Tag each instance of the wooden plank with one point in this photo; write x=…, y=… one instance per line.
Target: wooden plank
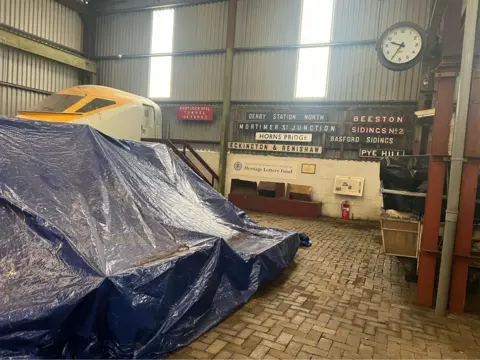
x=46, y=51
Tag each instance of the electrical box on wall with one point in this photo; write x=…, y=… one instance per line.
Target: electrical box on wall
x=348, y=185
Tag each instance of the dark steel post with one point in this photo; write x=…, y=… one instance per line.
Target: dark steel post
x=227, y=93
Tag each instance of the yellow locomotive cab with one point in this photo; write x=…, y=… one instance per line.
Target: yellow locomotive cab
x=112, y=111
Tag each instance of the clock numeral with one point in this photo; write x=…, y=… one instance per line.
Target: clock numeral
x=408, y=57
x=417, y=44
x=399, y=59
x=390, y=38
x=395, y=33
x=386, y=45
x=403, y=31
x=388, y=52
x=413, y=52
x=415, y=37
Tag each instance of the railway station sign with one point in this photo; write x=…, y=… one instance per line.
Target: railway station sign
x=376, y=153
x=202, y=113
x=287, y=127
x=365, y=130
x=280, y=116
x=373, y=140
x=263, y=136
x=294, y=149
x=378, y=119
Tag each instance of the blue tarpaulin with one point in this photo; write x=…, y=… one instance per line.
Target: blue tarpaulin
x=116, y=249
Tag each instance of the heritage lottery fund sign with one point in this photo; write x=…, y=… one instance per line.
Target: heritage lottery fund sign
x=269, y=169
x=294, y=149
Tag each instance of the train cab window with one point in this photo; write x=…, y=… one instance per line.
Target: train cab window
x=56, y=103
x=95, y=104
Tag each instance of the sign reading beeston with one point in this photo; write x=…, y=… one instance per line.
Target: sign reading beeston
x=313, y=128
x=296, y=149
x=268, y=116
x=270, y=169
x=380, y=153
x=378, y=119
x=263, y=136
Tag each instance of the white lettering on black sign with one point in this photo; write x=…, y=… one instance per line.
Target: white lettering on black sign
x=380, y=153
x=364, y=130
x=362, y=139
x=298, y=127
x=378, y=119
x=300, y=149
x=268, y=116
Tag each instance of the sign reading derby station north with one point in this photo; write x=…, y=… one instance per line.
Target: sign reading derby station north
x=278, y=116
x=296, y=127
x=294, y=149
x=376, y=153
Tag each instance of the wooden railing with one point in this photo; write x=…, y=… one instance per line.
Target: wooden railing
x=184, y=146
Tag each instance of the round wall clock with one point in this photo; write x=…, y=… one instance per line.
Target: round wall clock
x=401, y=46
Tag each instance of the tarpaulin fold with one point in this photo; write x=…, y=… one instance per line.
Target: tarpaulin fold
x=113, y=248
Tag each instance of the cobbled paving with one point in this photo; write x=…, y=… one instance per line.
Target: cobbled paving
x=342, y=298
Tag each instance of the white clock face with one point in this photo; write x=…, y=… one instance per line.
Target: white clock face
x=402, y=45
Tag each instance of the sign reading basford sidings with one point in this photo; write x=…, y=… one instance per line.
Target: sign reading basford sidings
x=379, y=119
x=202, y=113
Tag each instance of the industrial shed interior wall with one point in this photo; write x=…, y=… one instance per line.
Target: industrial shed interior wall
x=46, y=19
x=266, y=76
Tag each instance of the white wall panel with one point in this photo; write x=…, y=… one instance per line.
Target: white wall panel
x=198, y=78
x=264, y=76
x=46, y=19
x=127, y=75
x=124, y=34
x=268, y=22
x=201, y=27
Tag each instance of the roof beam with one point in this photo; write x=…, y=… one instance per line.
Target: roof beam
x=435, y=21
x=22, y=43
x=74, y=5
x=112, y=7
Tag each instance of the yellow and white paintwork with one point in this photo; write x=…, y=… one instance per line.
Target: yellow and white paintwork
x=131, y=117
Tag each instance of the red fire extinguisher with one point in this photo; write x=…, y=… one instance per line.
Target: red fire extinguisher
x=345, y=210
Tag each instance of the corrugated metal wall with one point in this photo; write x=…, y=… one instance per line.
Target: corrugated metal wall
x=124, y=34
x=51, y=21
x=268, y=75
x=355, y=74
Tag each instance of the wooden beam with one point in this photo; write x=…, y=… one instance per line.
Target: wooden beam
x=22, y=43
x=74, y=5
x=112, y=7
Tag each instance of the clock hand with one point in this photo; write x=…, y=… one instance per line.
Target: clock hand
x=399, y=47
x=395, y=43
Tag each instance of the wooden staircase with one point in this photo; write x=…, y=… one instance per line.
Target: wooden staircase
x=181, y=148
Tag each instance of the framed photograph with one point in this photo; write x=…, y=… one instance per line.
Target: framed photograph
x=309, y=168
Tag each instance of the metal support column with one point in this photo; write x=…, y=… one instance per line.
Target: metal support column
x=227, y=93
x=445, y=78
x=458, y=149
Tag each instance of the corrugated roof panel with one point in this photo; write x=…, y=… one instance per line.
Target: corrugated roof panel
x=201, y=27
x=128, y=75
x=197, y=78
x=355, y=20
x=122, y=34
x=46, y=19
x=268, y=22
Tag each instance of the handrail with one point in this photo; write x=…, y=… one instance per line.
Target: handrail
x=171, y=144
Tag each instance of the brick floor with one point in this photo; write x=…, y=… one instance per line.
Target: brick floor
x=342, y=298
